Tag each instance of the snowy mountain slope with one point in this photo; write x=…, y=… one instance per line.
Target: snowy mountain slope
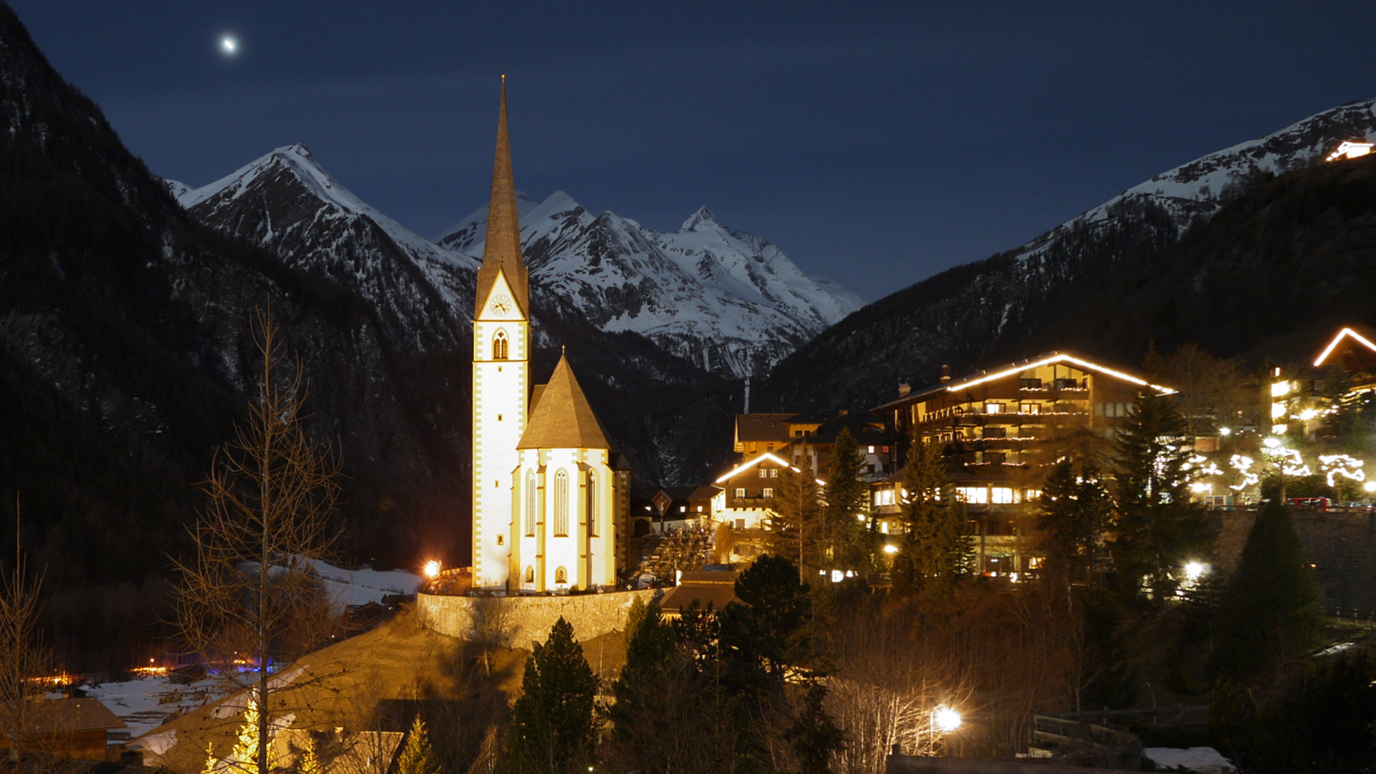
x=1196, y=190
x=285, y=201
x=729, y=301
x=1034, y=297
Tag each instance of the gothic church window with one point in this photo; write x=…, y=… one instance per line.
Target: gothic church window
x=532, y=504
x=561, y=504
x=499, y=346
x=561, y=575
x=592, y=504
x=530, y=574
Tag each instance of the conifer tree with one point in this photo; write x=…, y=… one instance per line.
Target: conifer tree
x=849, y=540
x=1271, y=608
x=1157, y=528
x=418, y=757
x=552, y=722
x=1072, y=514
x=937, y=544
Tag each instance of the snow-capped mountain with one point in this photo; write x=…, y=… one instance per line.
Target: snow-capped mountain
x=285, y=201
x=727, y=300
x=1194, y=191
x=1036, y=297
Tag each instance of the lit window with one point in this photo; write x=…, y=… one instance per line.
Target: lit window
x=768, y=493
x=871, y=450
x=993, y=407
x=561, y=504
x=773, y=472
x=740, y=493
x=1002, y=495
x=764, y=473
x=683, y=509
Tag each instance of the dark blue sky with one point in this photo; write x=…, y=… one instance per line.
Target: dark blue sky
x=874, y=143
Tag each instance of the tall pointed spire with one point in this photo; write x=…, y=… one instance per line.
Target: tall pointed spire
x=502, y=251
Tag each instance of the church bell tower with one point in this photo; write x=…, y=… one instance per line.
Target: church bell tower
x=501, y=371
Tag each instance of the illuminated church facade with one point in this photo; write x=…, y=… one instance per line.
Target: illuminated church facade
x=550, y=495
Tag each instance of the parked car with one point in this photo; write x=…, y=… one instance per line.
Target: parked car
x=1311, y=503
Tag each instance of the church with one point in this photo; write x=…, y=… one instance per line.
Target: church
x=550, y=494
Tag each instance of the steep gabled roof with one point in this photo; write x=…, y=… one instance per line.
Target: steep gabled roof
x=1344, y=334
x=502, y=250
x=563, y=419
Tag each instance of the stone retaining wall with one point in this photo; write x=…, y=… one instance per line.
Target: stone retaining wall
x=529, y=619
x=1341, y=545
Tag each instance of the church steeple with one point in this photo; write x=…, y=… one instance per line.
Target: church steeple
x=502, y=251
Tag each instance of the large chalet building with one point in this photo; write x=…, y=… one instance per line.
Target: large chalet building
x=997, y=428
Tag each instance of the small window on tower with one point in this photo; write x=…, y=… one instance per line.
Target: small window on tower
x=501, y=540
x=499, y=346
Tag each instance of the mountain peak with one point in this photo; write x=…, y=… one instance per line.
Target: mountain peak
x=699, y=221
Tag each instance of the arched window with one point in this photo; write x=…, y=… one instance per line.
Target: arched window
x=592, y=503
x=561, y=504
x=561, y=575
x=499, y=346
x=530, y=574
x=532, y=503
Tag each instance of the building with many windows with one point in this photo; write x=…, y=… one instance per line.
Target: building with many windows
x=998, y=429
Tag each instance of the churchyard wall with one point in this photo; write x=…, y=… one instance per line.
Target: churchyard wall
x=529, y=618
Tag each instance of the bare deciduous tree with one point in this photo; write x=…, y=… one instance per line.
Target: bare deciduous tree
x=22, y=656
x=250, y=593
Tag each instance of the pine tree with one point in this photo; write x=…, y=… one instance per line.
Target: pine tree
x=418, y=757
x=1072, y=514
x=1157, y=528
x=937, y=544
x=245, y=758
x=849, y=540
x=1271, y=608
x=552, y=721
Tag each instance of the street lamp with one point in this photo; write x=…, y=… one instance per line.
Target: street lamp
x=432, y=569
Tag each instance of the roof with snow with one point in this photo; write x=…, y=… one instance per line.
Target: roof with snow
x=562, y=417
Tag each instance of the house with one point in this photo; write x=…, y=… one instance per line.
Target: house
x=710, y=589
x=1349, y=149
x=808, y=438
x=998, y=428
x=1343, y=373
x=747, y=491
x=68, y=728
x=670, y=508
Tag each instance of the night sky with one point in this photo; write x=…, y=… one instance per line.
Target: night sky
x=874, y=143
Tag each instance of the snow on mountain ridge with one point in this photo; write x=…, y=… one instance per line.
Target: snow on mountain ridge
x=708, y=293
x=1198, y=188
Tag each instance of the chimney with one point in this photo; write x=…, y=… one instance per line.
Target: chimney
x=945, y=373
x=903, y=389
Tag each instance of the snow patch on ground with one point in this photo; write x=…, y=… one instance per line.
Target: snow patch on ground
x=1205, y=760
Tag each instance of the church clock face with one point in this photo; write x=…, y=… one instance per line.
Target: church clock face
x=501, y=305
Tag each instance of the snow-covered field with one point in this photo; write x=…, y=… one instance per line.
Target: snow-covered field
x=147, y=702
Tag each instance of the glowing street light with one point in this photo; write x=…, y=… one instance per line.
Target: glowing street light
x=945, y=719
x=890, y=549
x=1195, y=570
x=432, y=569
